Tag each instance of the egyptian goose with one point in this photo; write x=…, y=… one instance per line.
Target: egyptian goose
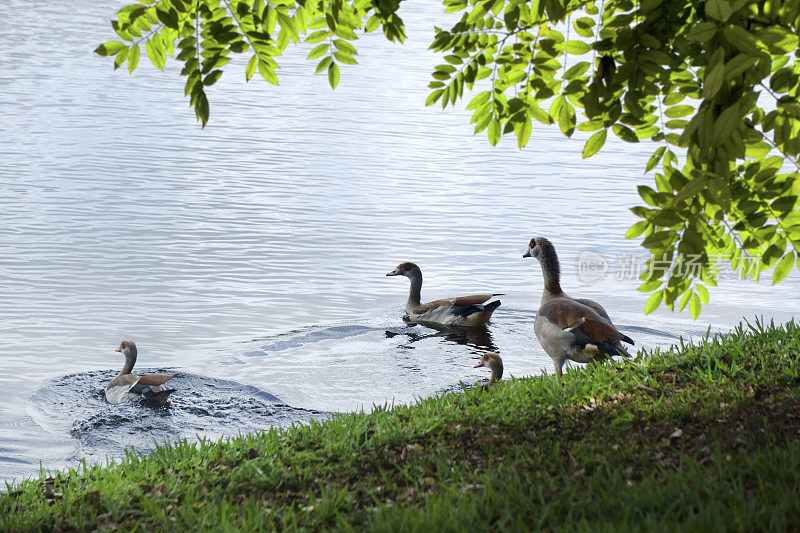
x=569, y=328
x=463, y=311
x=495, y=364
x=126, y=385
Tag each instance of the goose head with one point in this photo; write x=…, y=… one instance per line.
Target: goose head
x=495, y=364
x=538, y=248
x=128, y=349
x=409, y=270
x=544, y=251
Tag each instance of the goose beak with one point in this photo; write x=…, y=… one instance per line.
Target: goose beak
x=394, y=272
x=478, y=365
x=527, y=254
x=118, y=350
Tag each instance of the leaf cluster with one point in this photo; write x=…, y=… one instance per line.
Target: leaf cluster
x=207, y=32
x=686, y=75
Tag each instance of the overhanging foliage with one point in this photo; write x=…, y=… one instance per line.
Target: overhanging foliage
x=714, y=84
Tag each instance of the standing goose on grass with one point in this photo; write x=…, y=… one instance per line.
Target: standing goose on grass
x=463, y=311
x=569, y=328
x=126, y=385
x=495, y=364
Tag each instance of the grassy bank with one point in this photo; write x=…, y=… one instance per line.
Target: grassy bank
x=702, y=438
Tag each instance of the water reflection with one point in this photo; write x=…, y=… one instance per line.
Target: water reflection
x=479, y=337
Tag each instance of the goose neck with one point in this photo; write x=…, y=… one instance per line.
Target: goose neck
x=130, y=360
x=414, y=293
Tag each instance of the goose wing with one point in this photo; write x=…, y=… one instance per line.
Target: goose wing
x=154, y=379
x=462, y=301
x=475, y=299
x=118, y=389
x=572, y=314
x=595, y=306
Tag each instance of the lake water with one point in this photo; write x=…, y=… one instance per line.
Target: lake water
x=250, y=257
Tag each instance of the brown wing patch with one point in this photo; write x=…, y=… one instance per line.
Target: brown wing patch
x=125, y=380
x=475, y=299
x=600, y=331
x=595, y=306
x=154, y=379
x=565, y=313
x=568, y=313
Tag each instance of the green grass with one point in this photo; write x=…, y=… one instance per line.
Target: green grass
x=699, y=438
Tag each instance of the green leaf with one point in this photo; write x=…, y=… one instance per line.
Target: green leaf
x=625, y=133
x=678, y=111
x=653, y=302
x=655, y=158
x=566, y=119
x=649, y=286
x=576, y=70
x=702, y=32
x=685, y=299
x=703, y=293
x=251, y=68
x=647, y=194
x=718, y=9
x=594, y=143
x=317, y=51
x=345, y=46
x=757, y=150
x=524, y=132
x=201, y=108
x=737, y=65
x=494, y=131
x=323, y=64
x=713, y=81
x=133, y=58
x=479, y=100
x=575, y=47
x=333, y=75
x=110, y=48
x=317, y=36
x=120, y=59
x=212, y=77
x=694, y=306
x=433, y=97
x=637, y=229
x=345, y=58
x=267, y=72
x=692, y=188
x=555, y=107
x=155, y=53
x=783, y=268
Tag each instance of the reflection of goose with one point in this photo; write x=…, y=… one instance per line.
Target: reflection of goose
x=569, y=328
x=478, y=337
x=126, y=385
x=463, y=311
x=495, y=364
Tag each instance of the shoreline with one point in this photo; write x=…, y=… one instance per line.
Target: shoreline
x=699, y=436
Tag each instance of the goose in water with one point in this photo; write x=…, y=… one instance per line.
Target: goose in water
x=126, y=385
x=495, y=364
x=570, y=328
x=463, y=311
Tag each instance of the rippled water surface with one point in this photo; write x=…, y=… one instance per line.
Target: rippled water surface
x=249, y=258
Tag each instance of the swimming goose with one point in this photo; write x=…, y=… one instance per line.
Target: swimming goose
x=126, y=385
x=569, y=328
x=495, y=364
x=463, y=311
